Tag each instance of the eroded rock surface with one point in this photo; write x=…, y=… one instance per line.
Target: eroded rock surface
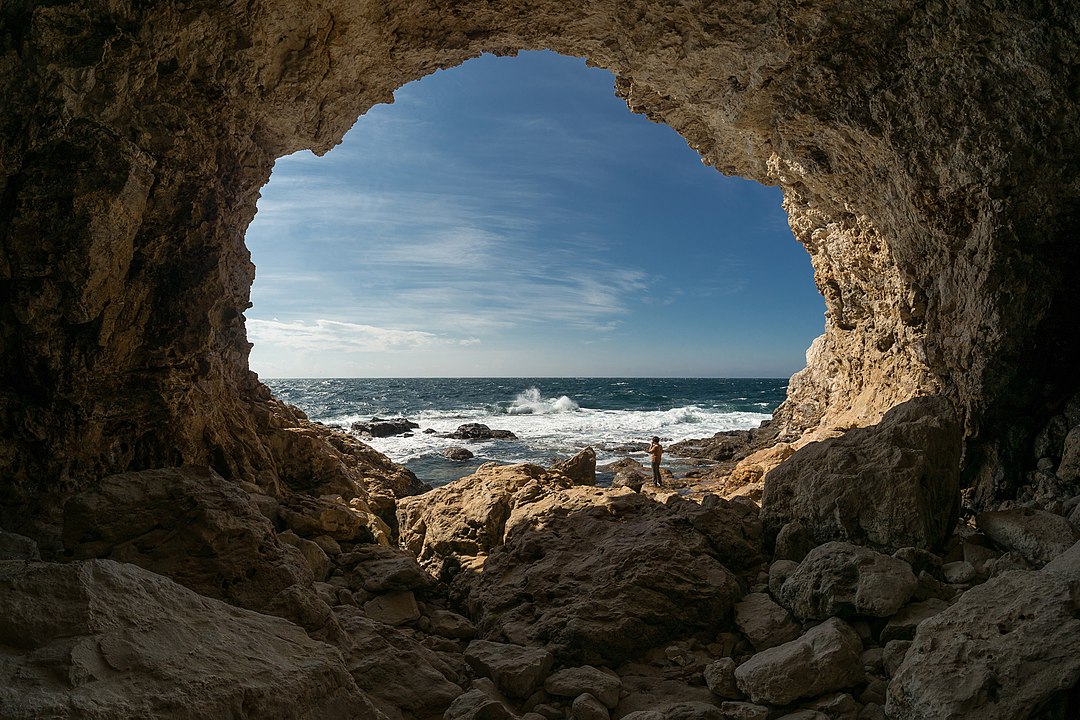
x=101, y=639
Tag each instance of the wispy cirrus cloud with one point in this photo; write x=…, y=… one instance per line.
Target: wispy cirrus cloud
x=321, y=334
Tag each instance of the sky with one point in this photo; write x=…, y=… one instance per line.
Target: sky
x=510, y=217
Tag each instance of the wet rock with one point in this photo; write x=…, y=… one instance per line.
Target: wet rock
x=892, y=485
x=457, y=453
x=479, y=431
x=378, y=427
x=1004, y=648
x=516, y=670
x=131, y=644
x=840, y=579
x=1039, y=535
x=827, y=657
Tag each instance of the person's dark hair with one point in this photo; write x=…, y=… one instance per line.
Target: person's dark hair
x=655, y=439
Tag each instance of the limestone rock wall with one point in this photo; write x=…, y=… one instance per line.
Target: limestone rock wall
x=928, y=154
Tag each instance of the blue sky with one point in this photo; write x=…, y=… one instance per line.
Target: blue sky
x=510, y=217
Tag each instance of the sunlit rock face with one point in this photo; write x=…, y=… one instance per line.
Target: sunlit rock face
x=927, y=151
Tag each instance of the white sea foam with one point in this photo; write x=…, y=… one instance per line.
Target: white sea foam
x=544, y=435
x=531, y=402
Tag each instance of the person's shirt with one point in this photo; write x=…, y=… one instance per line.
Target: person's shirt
x=656, y=451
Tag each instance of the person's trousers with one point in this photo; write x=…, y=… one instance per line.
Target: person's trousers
x=656, y=473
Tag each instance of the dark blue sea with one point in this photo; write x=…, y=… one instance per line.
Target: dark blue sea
x=552, y=417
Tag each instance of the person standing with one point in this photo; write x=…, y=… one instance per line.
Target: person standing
x=656, y=452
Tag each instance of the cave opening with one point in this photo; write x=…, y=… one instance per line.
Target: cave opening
x=509, y=218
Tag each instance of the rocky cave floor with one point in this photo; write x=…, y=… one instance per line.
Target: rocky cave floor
x=530, y=593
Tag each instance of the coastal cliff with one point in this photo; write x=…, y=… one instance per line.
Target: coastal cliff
x=930, y=164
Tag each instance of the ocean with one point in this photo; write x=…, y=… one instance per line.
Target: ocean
x=553, y=418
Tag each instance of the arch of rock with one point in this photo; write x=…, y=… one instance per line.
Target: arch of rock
x=927, y=152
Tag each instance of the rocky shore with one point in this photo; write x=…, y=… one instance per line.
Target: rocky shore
x=529, y=593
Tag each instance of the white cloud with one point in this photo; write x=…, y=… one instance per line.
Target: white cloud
x=334, y=335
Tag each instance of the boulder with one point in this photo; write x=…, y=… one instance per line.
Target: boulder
x=396, y=671
x=189, y=525
x=1069, y=467
x=587, y=707
x=516, y=670
x=457, y=453
x=1038, y=535
x=599, y=575
x=379, y=427
x=394, y=608
x=581, y=468
x=840, y=579
x=826, y=658
x=720, y=678
x=1066, y=565
x=892, y=485
x=477, y=705
x=902, y=625
x=468, y=516
x=604, y=685
x=793, y=542
x=763, y=622
x=1003, y=649
x=447, y=624
x=17, y=547
x=479, y=431
x=379, y=569
x=102, y=640
x=743, y=711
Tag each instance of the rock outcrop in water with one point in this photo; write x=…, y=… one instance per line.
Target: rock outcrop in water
x=929, y=157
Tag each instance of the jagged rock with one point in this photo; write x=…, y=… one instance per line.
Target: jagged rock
x=840, y=579
x=892, y=485
x=479, y=431
x=1066, y=565
x=763, y=622
x=517, y=670
x=378, y=427
x=396, y=672
x=793, y=542
x=723, y=446
x=379, y=569
x=720, y=677
x=1039, y=535
x=958, y=572
x=449, y=624
x=477, y=705
x=571, y=682
x=1002, y=650
x=579, y=572
x=330, y=516
x=581, y=468
x=827, y=657
x=587, y=707
x=457, y=453
x=902, y=625
x=743, y=711
x=189, y=525
x=1069, y=467
x=393, y=608
x=468, y=516
x=779, y=572
x=17, y=547
x=127, y=643
x=893, y=654
x=313, y=554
